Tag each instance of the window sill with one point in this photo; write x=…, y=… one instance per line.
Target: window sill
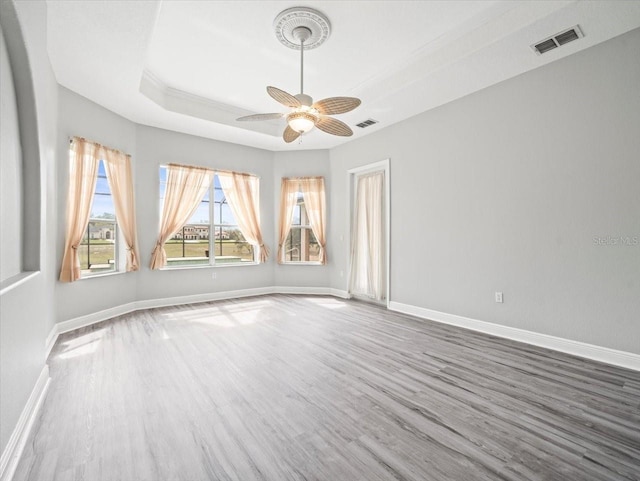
x=216, y=266
x=301, y=263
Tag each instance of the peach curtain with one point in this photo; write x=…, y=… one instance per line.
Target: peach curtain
x=243, y=193
x=83, y=174
x=288, y=193
x=118, y=167
x=312, y=189
x=186, y=186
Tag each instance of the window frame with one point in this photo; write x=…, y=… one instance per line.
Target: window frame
x=212, y=228
x=118, y=265
x=307, y=225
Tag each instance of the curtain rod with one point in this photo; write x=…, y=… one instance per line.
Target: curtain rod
x=97, y=144
x=222, y=171
x=304, y=178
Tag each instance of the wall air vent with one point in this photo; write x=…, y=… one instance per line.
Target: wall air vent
x=367, y=123
x=559, y=39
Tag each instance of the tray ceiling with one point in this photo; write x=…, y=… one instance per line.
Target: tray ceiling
x=195, y=66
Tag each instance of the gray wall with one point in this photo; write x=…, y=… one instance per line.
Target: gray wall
x=510, y=189
x=27, y=310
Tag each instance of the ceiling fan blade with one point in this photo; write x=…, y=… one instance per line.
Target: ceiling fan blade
x=283, y=97
x=261, y=117
x=334, y=127
x=289, y=135
x=336, y=105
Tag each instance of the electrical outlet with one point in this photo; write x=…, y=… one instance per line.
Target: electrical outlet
x=499, y=297
x=213, y=275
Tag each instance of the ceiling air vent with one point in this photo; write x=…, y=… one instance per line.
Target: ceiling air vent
x=559, y=39
x=366, y=123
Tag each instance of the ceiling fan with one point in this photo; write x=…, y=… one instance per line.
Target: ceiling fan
x=294, y=27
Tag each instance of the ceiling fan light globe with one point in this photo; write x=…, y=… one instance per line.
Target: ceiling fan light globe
x=301, y=122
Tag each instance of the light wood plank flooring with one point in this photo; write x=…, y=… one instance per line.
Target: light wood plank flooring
x=317, y=388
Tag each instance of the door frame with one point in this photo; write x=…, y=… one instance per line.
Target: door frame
x=352, y=174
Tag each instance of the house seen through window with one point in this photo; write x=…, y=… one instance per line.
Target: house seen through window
x=211, y=236
x=99, y=247
x=301, y=244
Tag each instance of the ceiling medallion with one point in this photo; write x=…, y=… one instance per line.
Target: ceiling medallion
x=290, y=19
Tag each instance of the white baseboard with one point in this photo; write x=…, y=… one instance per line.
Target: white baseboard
x=581, y=349
x=50, y=341
x=339, y=293
x=94, y=317
x=17, y=441
x=301, y=290
x=316, y=291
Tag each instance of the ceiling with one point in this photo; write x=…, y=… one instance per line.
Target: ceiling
x=195, y=66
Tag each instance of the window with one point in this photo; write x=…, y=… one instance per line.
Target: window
x=100, y=189
x=301, y=244
x=98, y=250
x=211, y=236
x=302, y=237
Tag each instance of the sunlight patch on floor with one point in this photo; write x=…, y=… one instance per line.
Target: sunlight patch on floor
x=218, y=321
x=327, y=303
x=83, y=350
x=83, y=339
x=225, y=315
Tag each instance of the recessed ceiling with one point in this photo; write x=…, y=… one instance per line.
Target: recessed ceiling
x=195, y=66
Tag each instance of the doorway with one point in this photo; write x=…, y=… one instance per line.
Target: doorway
x=369, y=233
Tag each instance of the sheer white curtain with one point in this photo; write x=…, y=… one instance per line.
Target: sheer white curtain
x=367, y=276
x=186, y=186
x=243, y=193
x=288, y=191
x=83, y=175
x=120, y=178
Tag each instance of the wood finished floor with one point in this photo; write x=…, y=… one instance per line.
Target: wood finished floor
x=317, y=388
